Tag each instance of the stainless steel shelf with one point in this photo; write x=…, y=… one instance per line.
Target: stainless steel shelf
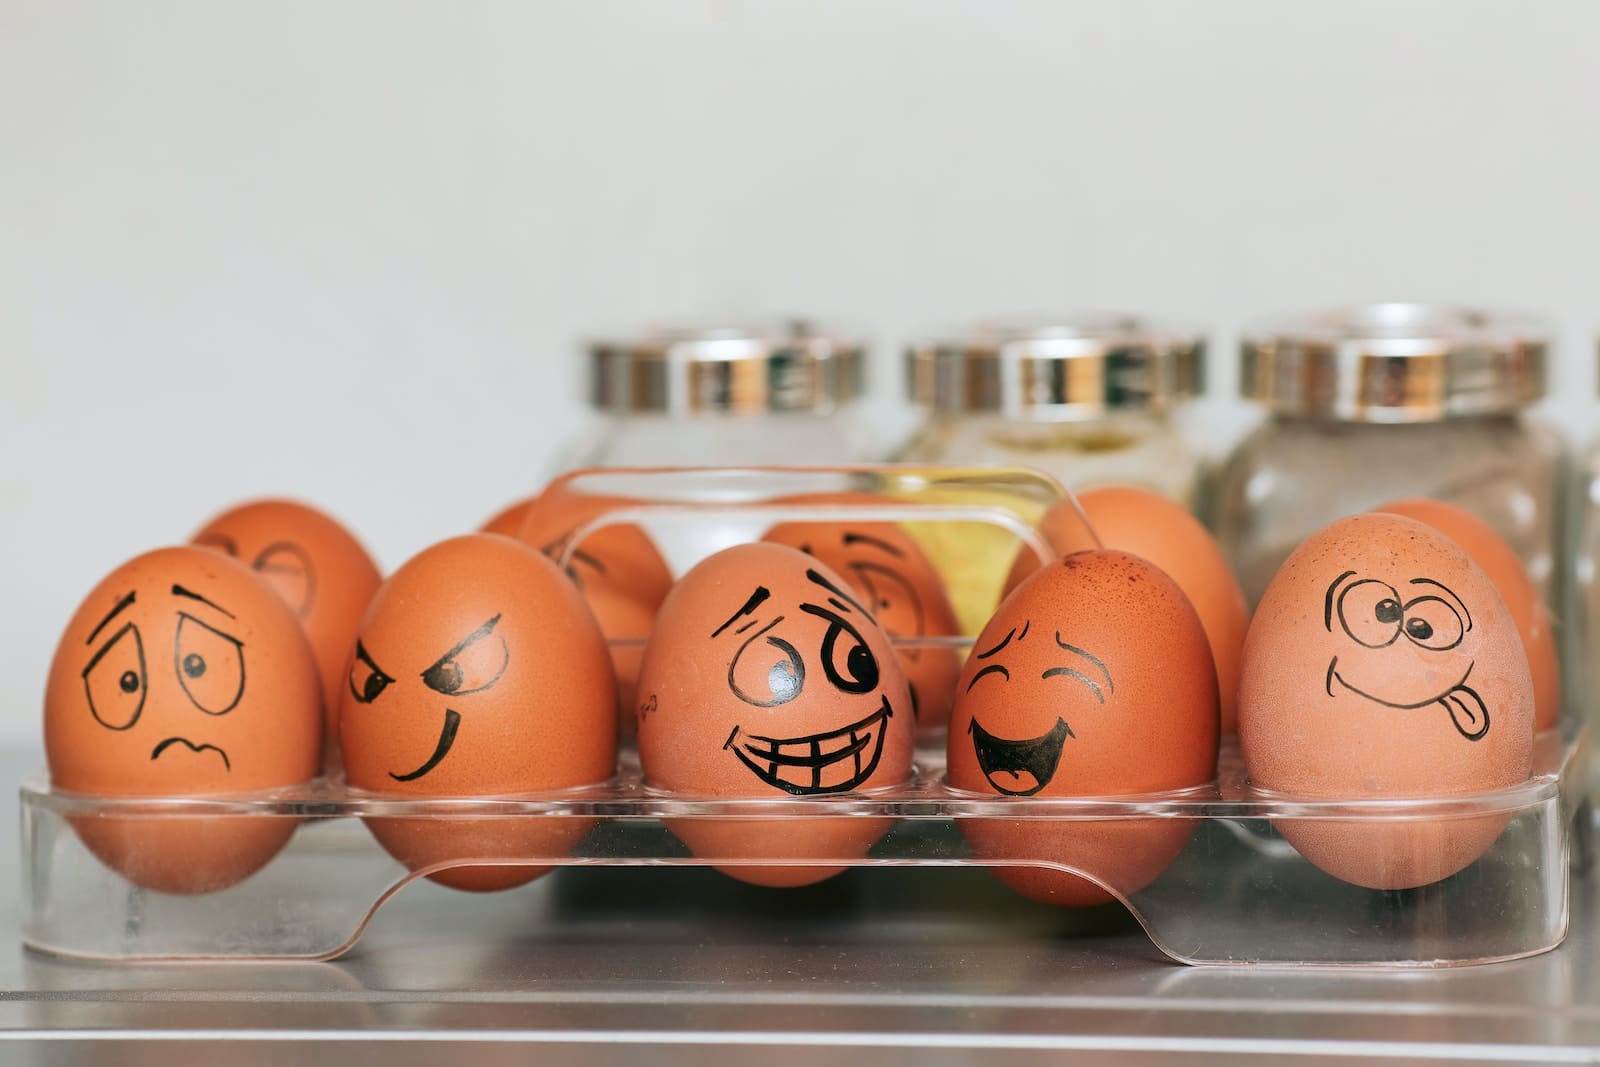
x=880, y=967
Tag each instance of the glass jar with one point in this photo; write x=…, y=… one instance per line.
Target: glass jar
x=1392, y=400
x=1086, y=399
x=754, y=395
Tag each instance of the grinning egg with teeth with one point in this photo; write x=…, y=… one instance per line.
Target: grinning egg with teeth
x=182, y=674
x=1094, y=678
x=478, y=670
x=766, y=677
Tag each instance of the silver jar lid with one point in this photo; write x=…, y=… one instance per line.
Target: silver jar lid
x=1060, y=370
x=1395, y=363
x=727, y=370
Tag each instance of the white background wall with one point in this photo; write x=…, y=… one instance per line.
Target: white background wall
x=340, y=250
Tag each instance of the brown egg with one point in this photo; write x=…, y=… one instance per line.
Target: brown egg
x=478, y=671
x=1094, y=678
x=1490, y=551
x=316, y=566
x=766, y=677
x=1155, y=528
x=1382, y=663
x=897, y=583
x=508, y=520
x=618, y=568
x=182, y=675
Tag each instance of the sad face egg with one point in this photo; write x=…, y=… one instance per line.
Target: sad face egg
x=765, y=677
x=181, y=675
x=1383, y=663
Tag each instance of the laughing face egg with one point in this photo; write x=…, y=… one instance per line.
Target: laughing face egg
x=478, y=670
x=767, y=678
x=1094, y=678
x=182, y=675
x=1383, y=663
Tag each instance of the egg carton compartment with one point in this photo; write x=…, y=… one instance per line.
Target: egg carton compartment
x=1215, y=873
x=1231, y=894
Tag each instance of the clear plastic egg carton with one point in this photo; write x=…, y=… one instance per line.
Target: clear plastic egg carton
x=1235, y=893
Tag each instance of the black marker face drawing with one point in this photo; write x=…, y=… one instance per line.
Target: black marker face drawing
x=207, y=667
x=283, y=565
x=787, y=662
x=473, y=665
x=1050, y=673
x=1401, y=649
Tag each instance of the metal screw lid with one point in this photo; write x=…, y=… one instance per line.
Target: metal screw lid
x=727, y=370
x=1060, y=370
x=1395, y=363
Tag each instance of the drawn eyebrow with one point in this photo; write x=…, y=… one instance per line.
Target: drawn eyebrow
x=993, y=668
x=1004, y=641
x=482, y=631
x=755, y=601
x=852, y=538
x=1091, y=657
x=818, y=579
x=1447, y=589
x=178, y=590
x=124, y=602
x=1026, y=626
x=1093, y=685
x=1327, y=601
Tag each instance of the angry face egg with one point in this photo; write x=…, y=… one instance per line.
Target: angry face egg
x=1094, y=678
x=766, y=677
x=478, y=670
x=182, y=675
x=1382, y=663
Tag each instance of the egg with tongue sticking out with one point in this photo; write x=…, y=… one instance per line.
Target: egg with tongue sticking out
x=765, y=677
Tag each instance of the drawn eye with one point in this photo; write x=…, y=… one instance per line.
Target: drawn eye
x=474, y=665
x=846, y=659
x=114, y=680
x=367, y=680
x=993, y=668
x=287, y=568
x=1370, y=612
x=210, y=665
x=767, y=671
x=1433, y=623
x=889, y=593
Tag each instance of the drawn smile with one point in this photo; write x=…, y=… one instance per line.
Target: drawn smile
x=1036, y=757
x=447, y=737
x=833, y=762
x=155, y=753
x=1466, y=708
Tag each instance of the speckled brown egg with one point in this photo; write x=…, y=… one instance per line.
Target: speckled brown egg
x=478, y=671
x=1381, y=662
x=1490, y=551
x=618, y=568
x=1094, y=678
x=1156, y=529
x=767, y=677
x=895, y=580
x=181, y=674
x=316, y=566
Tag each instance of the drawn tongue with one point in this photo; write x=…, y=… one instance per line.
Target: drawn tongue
x=1467, y=712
